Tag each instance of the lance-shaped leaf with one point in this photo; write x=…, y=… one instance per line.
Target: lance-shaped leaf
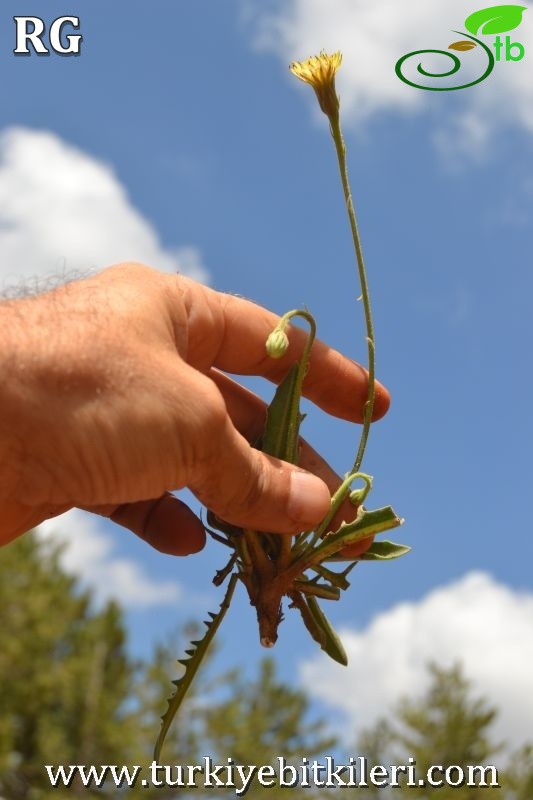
x=191, y=665
x=331, y=645
x=384, y=551
x=319, y=627
x=368, y=523
x=496, y=19
x=280, y=438
x=324, y=590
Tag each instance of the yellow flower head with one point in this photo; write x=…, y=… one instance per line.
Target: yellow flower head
x=319, y=72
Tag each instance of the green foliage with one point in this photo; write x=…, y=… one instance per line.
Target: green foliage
x=191, y=664
x=518, y=778
x=446, y=726
x=262, y=719
x=64, y=673
x=70, y=694
x=384, y=551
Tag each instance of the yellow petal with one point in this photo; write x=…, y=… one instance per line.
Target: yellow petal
x=319, y=72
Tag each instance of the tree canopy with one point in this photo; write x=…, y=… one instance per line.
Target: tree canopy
x=71, y=693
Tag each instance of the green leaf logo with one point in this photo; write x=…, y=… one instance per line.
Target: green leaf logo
x=496, y=19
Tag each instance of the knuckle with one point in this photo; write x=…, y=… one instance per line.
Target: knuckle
x=254, y=485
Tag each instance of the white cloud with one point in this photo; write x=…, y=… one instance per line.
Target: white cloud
x=485, y=625
x=373, y=36
x=63, y=212
x=89, y=554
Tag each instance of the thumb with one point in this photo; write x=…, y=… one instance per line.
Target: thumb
x=250, y=489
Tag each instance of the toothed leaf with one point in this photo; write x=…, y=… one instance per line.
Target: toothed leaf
x=191, y=667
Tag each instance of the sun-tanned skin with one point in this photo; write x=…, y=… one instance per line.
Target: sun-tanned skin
x=115, y=392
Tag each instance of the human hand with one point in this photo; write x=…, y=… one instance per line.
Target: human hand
x=117, y=395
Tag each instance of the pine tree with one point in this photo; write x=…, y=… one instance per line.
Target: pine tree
x=248, y=721
x=70, y=694
x=518, y=778
x=65, y=676
x=261, y=720
x=448, y=727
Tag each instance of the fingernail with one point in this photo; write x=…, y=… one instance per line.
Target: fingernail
x=308, y=499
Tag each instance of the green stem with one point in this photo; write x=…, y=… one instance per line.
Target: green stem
x=340, y=148
x=306, y=544
x=282, y=324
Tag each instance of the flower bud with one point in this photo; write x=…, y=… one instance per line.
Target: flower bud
x=277, y=343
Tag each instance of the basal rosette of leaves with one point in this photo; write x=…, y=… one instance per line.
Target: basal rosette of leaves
x=302, y=570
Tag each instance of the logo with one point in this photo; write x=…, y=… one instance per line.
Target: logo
x=30, y=31
x=486, y=22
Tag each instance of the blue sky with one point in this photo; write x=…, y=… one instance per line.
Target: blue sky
x=205, y=154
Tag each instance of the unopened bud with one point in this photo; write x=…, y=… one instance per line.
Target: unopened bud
x=357, y=496
x=277, y=343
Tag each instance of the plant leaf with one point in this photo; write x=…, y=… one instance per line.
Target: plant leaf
x=369, y=523
x=192, y=664
x=335, y=578
x=320, y=628
x=464, y=44
x=280, y=438
x=496, y=19
x=316, y=589
x=384, y=551
x=332, y=645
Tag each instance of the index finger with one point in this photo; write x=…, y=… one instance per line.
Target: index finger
x=230, y=333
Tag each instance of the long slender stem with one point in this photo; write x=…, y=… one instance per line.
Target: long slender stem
x=340, y=148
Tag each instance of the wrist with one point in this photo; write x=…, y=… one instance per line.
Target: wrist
x=36, y=367
x=14, y=369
